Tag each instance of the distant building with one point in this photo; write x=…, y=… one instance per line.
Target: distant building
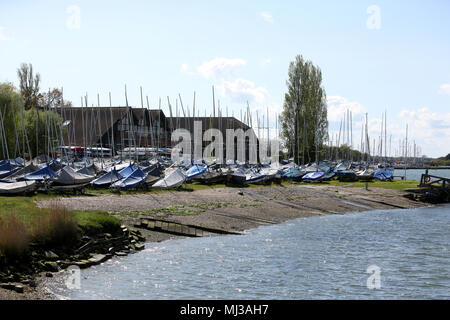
x=122, y=127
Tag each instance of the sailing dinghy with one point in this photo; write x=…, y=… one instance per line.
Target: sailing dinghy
x=134, y=180
x=68, y=176
x=19, y=187
x=173, y=179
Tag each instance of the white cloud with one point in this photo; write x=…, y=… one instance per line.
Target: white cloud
x=186, y=69
x=2, y=35
x=445, y=88
x=220, y=68
x=337, y=106
x=429, y=130
x=267, y=16
x=242, y=90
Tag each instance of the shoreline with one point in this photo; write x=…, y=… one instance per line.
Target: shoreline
x=228, y=209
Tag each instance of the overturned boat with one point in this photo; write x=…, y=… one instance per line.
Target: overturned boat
x=173, y=179
x=19, y=187
x=134, y=180
x=107, y=179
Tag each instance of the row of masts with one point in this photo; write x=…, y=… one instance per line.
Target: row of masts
x=370, y=149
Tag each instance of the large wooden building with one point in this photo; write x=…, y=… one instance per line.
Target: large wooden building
x=118, y=128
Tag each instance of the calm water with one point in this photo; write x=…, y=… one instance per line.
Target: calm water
x=323, y=257
x=415, y=174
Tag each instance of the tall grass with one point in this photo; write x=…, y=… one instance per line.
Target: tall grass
x=14, y=236
x=56, y=228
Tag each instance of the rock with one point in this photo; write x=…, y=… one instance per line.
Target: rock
x=139, y=246
x=121, y=254
x=97, y=259
x=51, y=266
x=50, y=255
x=32, y=284
x=82, y=264
x=240, y=193
x=18, y=288
x=108, y=236
x=7, y=286
x=49, y=275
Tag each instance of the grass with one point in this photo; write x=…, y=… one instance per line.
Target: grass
x=394, y=185
x=23, y=223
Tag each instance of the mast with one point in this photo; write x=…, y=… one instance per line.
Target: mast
x=112, y=126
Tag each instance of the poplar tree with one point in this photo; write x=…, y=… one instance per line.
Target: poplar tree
x=304, y=121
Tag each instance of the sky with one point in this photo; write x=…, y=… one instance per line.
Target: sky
x=375, y=57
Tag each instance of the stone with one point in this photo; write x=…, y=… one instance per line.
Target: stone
x=18, y=288
x=139, y=246
x=50, y=255
x=97, y=259
x=7, y=286
x=51, y=266
x=121, y=254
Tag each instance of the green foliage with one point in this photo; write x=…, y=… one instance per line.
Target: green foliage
x=92, y=222
x=13, y=141
x=442, y=161
x=304, y=118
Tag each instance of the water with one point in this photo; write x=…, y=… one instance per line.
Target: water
x=323, y=257
x=416, y=174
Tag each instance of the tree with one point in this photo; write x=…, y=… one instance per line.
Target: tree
x=52, y=99
x=29, y=85
x=304, y=121
x=9, y=108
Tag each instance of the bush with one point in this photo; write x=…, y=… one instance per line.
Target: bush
x=14, y=237
x=59, y=227
x=92, y=222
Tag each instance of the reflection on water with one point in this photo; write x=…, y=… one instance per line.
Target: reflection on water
x=323, y=257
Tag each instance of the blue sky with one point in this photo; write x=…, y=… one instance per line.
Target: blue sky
x=374, y=56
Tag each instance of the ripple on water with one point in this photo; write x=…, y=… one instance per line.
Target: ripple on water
x=323, y=257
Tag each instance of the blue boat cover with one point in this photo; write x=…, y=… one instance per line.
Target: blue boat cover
x=311, y=176
x=125, y=172
x=291, y=173
x=383, y=175
x=195, y=170
x=42, y=174
x=107, y=179
x=132, y=181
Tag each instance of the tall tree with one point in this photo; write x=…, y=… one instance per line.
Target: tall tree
x=29, y=84
x=304, y=121
x=52, y=99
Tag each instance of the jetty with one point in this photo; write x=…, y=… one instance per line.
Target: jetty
x=433, y=189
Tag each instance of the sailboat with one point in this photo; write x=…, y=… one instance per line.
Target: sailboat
x=174, y=178
x=107, y=179
x=133, y=180
x=18, y=187
x=68, y=176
